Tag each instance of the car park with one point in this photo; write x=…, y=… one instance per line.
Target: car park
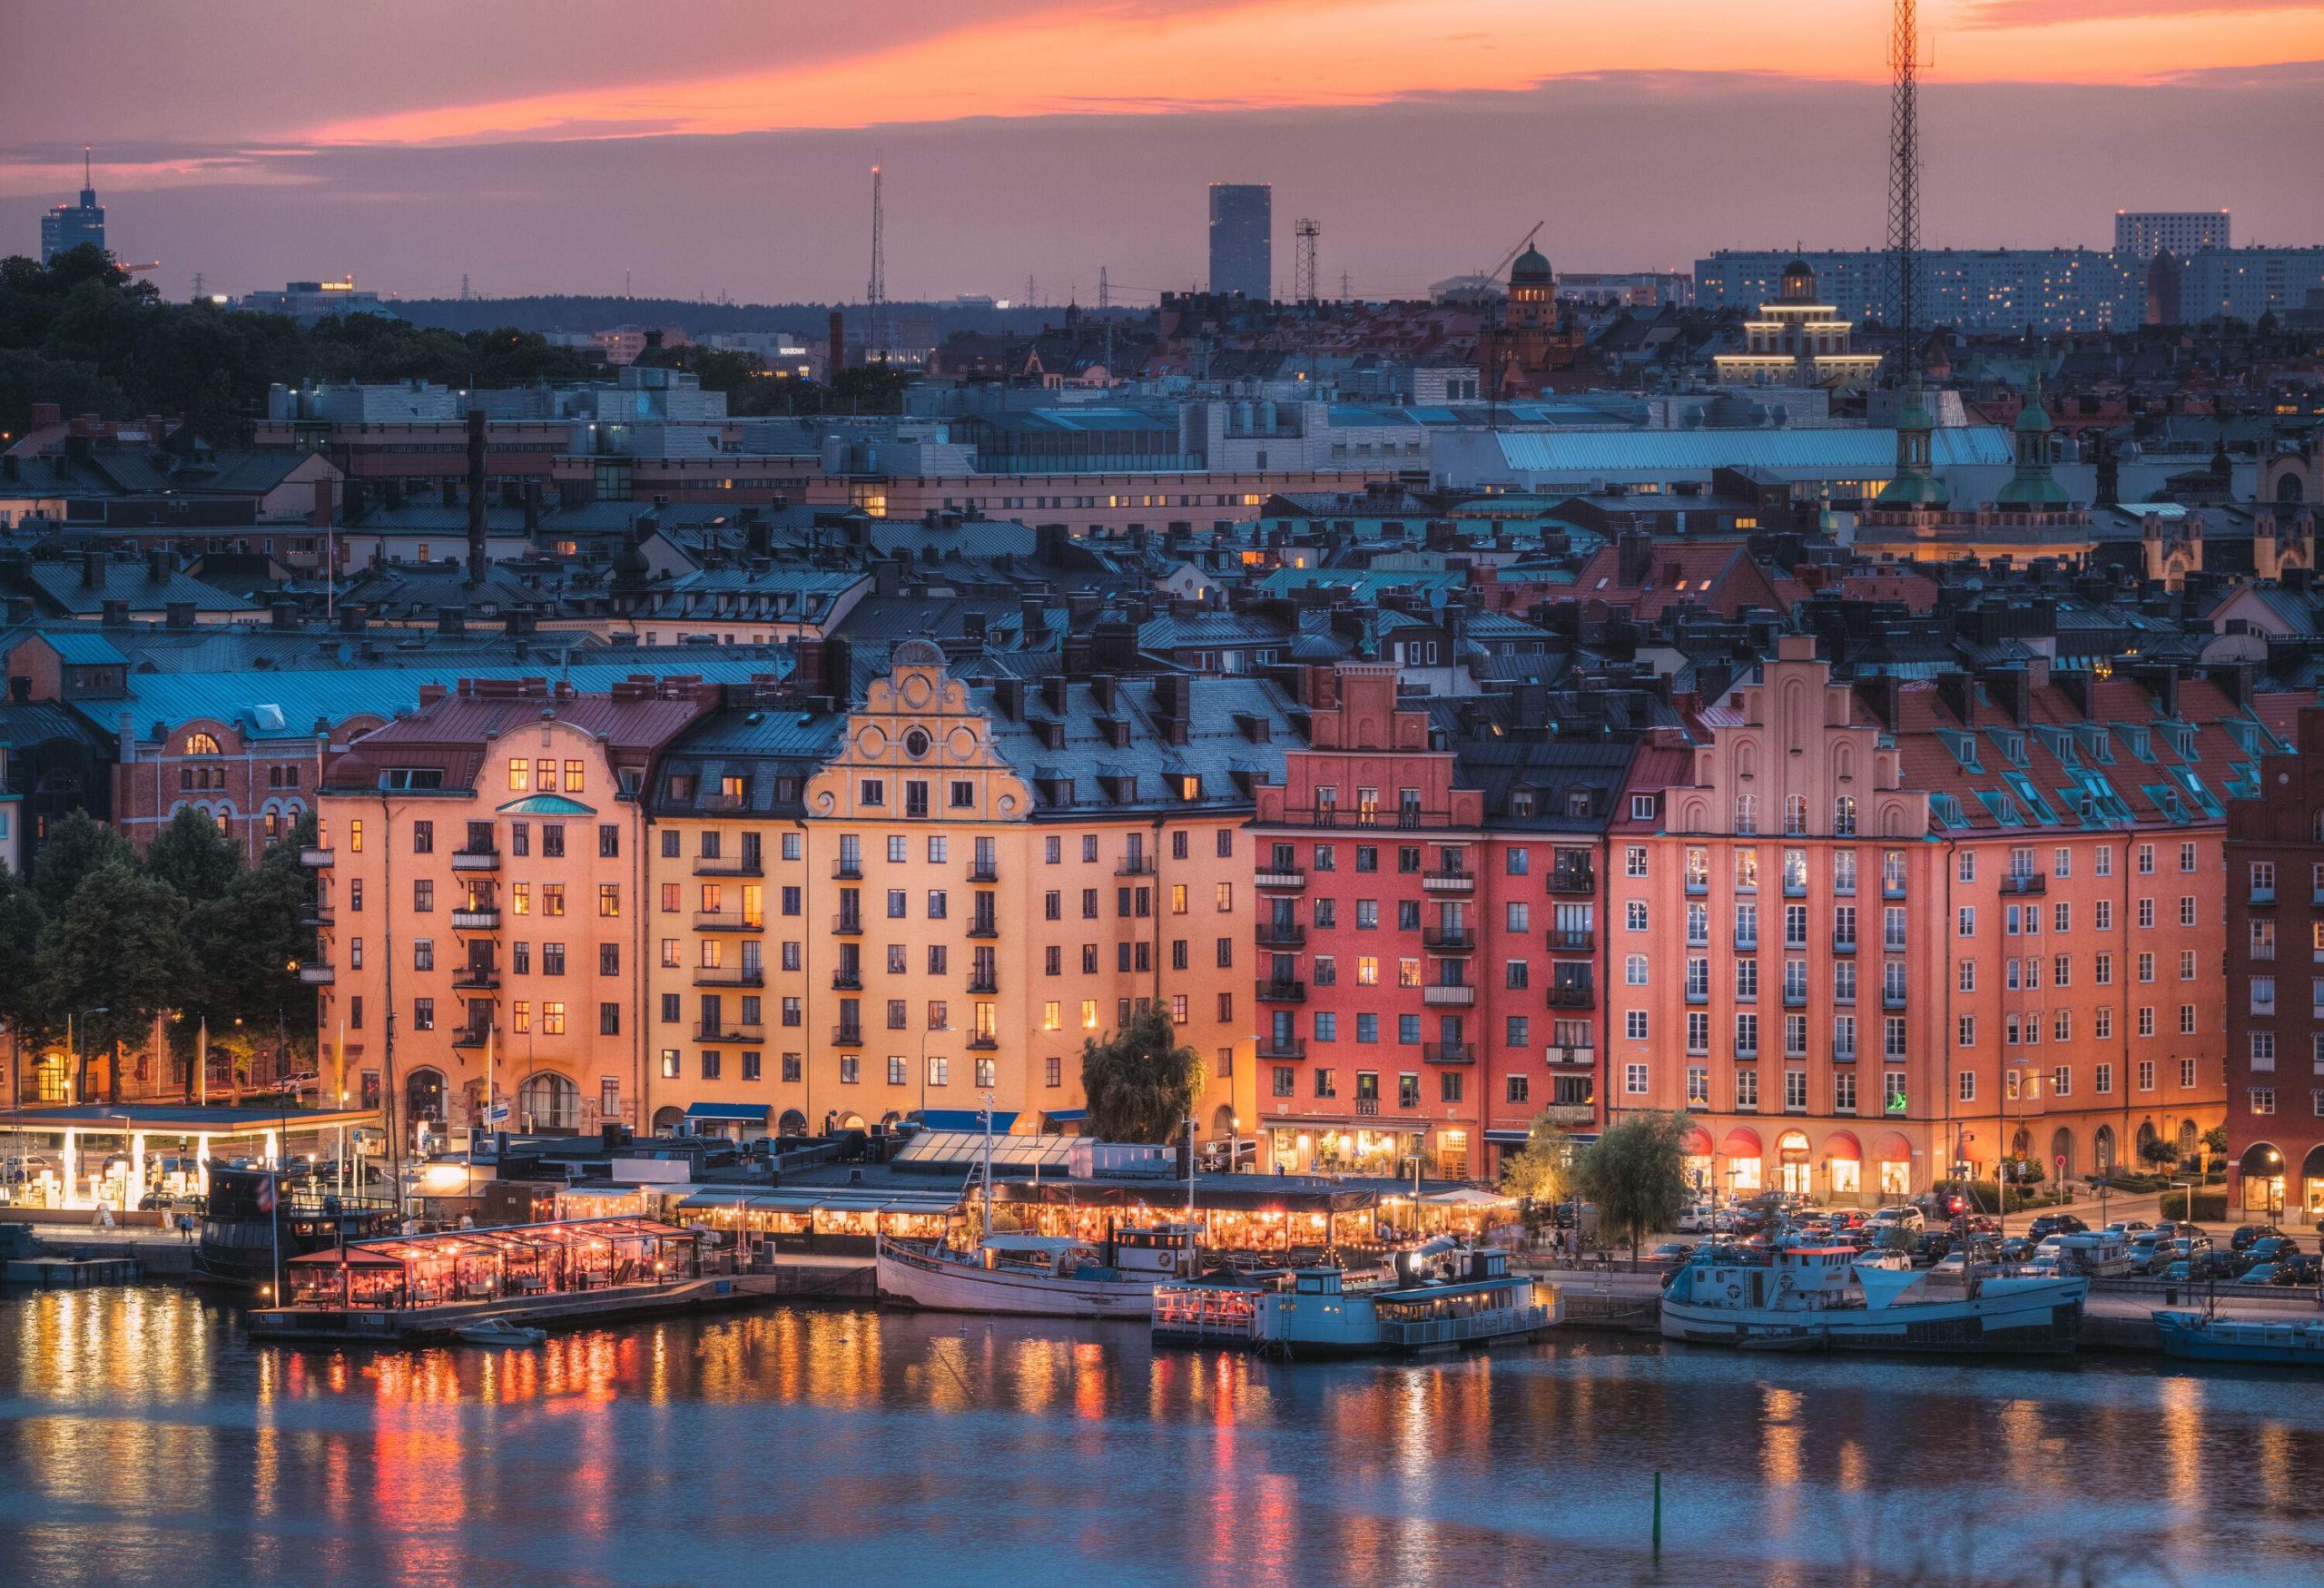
x=2250, y=1234
x=2050, y=1224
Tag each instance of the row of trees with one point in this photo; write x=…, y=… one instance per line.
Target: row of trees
x=191, y=931
x=81, y=332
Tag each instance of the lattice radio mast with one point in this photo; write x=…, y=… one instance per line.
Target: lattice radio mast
x=1303, y=288
x=1904, y=188
x=875, y=293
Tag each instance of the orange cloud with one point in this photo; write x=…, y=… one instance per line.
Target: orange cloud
x=1139, y=58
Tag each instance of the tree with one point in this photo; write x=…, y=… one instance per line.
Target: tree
x=1140, y=1083
x=1542, y=1170
x=119, y=944
x=1636, y=1174
x=21, y=1006
x=193, y=857
x=75, y=848
x=247, y=945
x=2162, y=1152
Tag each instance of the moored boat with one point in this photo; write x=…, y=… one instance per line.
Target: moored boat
x=254, y=1220
x=1036, y=1276
x=1316, y=1312
x=500, y=1331
x=1835, y=1299
x=2291, y=1343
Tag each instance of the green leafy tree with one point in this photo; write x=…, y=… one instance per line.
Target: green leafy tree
x=22, y=1008
x=1140, y=1083
x=1636, y=1174
x=193, y=857
x=118, y=944
x=75, y=848
x=1542, y=1170
x=247, y=946
x=2162, y=1152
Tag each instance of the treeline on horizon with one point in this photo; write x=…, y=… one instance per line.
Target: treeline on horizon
x=569, y=313
x=82, y=333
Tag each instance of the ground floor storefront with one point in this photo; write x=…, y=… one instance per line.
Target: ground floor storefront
x=1367, y=1146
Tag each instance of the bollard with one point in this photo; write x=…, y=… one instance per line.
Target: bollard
x=1658, y=1516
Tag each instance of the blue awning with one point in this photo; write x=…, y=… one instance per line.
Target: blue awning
x=746, y=1113
x=967, y=1120
x=1066, y=1116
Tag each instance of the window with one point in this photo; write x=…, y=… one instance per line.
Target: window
x=1634, y=1024
x=2187, y=1074
x=608, y=898
x=1794, y=1089
x=1843, y=1095
x=609, y=1020
x=552, y=1018
x=1969, y=1086
x=2263, y=1099
x=1634, y=1080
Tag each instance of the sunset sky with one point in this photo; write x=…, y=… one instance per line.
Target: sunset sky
x=712, y=145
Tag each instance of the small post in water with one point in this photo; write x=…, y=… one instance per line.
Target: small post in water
x=1658, y=1516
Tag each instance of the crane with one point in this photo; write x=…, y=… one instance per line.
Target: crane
x=1524, y=243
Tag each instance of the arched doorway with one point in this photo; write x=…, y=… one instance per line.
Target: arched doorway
x=2311, y=1183
x=423, y=1098
x=1222, y=1121
x=2022, y=1143
x=2189, y=1141
x=2262, y=1166
x=53, y=1079
x=549, y=1102
x=666, y=1121
x=2102, y=1150
x=793, y=1123
x=2061, y=1164
x=2146, y=1138
x=890, y=1119
x=851, y=1121
x=1792, y=1168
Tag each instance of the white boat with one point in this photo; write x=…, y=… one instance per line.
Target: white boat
x=500, y=1331
x=1314, y=1312
x=2095, y=1253
x=1037, y=1276
x=1835, y=1299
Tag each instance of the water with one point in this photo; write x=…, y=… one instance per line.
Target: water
x=144, y=1440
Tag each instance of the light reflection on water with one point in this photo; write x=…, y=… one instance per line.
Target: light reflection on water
x=143, y=1439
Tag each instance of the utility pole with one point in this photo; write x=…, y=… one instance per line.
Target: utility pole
x=1905, y=187
x=1305, y=234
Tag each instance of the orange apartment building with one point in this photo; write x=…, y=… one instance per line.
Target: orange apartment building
x=1926, y=925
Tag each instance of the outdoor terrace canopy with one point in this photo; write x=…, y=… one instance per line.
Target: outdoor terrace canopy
x=479, y=1265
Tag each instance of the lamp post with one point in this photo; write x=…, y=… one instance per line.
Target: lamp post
x=1234, y=1143
x=2275, y=1185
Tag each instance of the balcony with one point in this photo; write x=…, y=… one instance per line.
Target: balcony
x=1572, y=995
x=710, y=865
x=1449, y=939
x=730, y=1033
x=712, y=976
x=1562, y=1055
x=1698, y=995
x=1367, y=1107
x=1280, y=878
x=316, y=919
x=848, y=870
x=472, y=1037
x=317, y=858
x=718, y=804
x=1460, y=883
x=1271, y=991
x=847, y=1035
x=1795, y=998
x=1844, y=1055
x=1274, y=1047
x=984, y=1042
x=318, y=975
x=476, y=860
x=1575, y=940
x=847, y=980
x=2262, y=896
x=2025, y=883
x=1135, y=865
x=1892, y=998
x=985, y=871
x=984, y=981
x=475, y=979
x=1892, y=887
x=1449, y=1053
x=1795, y=887
x=847, y=924
x=1571, y=1113
x=1281, y=934
x=726, y=920
x=1747, y=943
x=1698, y=887
x=984, y=926
x=1438, y=995
x=1573, y=880
x=1843, y=945
x=476, y=920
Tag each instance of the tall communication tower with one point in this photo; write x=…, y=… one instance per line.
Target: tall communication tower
x=876, y=292
x=1303, y=289
x=1904, y=188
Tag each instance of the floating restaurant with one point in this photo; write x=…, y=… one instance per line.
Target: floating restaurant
x=1260, y=1213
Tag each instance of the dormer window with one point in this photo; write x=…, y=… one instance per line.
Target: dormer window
x=200, y=744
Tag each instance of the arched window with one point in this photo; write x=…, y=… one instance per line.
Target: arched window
x=1843, y=816
x=549, y=1102
x=200, y=744
x=2288, y=489
x=1746, y=813
x=2316, y=828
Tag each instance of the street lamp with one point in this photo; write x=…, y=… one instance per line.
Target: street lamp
x=2275, y=1185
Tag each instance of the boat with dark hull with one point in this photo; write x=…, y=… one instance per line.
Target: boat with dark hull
x=1834, y=1299
x=255, y=1219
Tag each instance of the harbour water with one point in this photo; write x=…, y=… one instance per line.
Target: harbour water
x=144, y=1440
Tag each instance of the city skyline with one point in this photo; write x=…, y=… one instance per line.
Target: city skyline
x=748, y=178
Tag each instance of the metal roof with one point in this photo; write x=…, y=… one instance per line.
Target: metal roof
x=1869, y=451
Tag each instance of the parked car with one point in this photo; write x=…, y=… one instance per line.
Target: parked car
x=2055, y=1224
x=2257, y=1274
x=15, y=1170
x=2016, y=1250
x=1702, y=1218
x=1904, y=1217
x=2301, y=1269
x=1673, y=1254
x=2248, y=1234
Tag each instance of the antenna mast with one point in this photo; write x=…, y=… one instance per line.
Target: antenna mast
x=1904, y=188
x=1304, y=286
x=876, y=293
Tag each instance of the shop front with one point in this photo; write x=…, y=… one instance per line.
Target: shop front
x=1364, y=1149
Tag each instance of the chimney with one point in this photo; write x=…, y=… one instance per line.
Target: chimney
x=179, y=614
x=1032, y=615
x=92, y=570
x=159, y=566
x=520, y=620
x=836, y=355
x=451, y=620
x=350, y=620
x=476, y=499
x=115, y=613
x=1008, y=695
x=283, y=615
x=532, y=508
x=1635, y=553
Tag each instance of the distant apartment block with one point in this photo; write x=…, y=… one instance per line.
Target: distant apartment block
x=2143, y=234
